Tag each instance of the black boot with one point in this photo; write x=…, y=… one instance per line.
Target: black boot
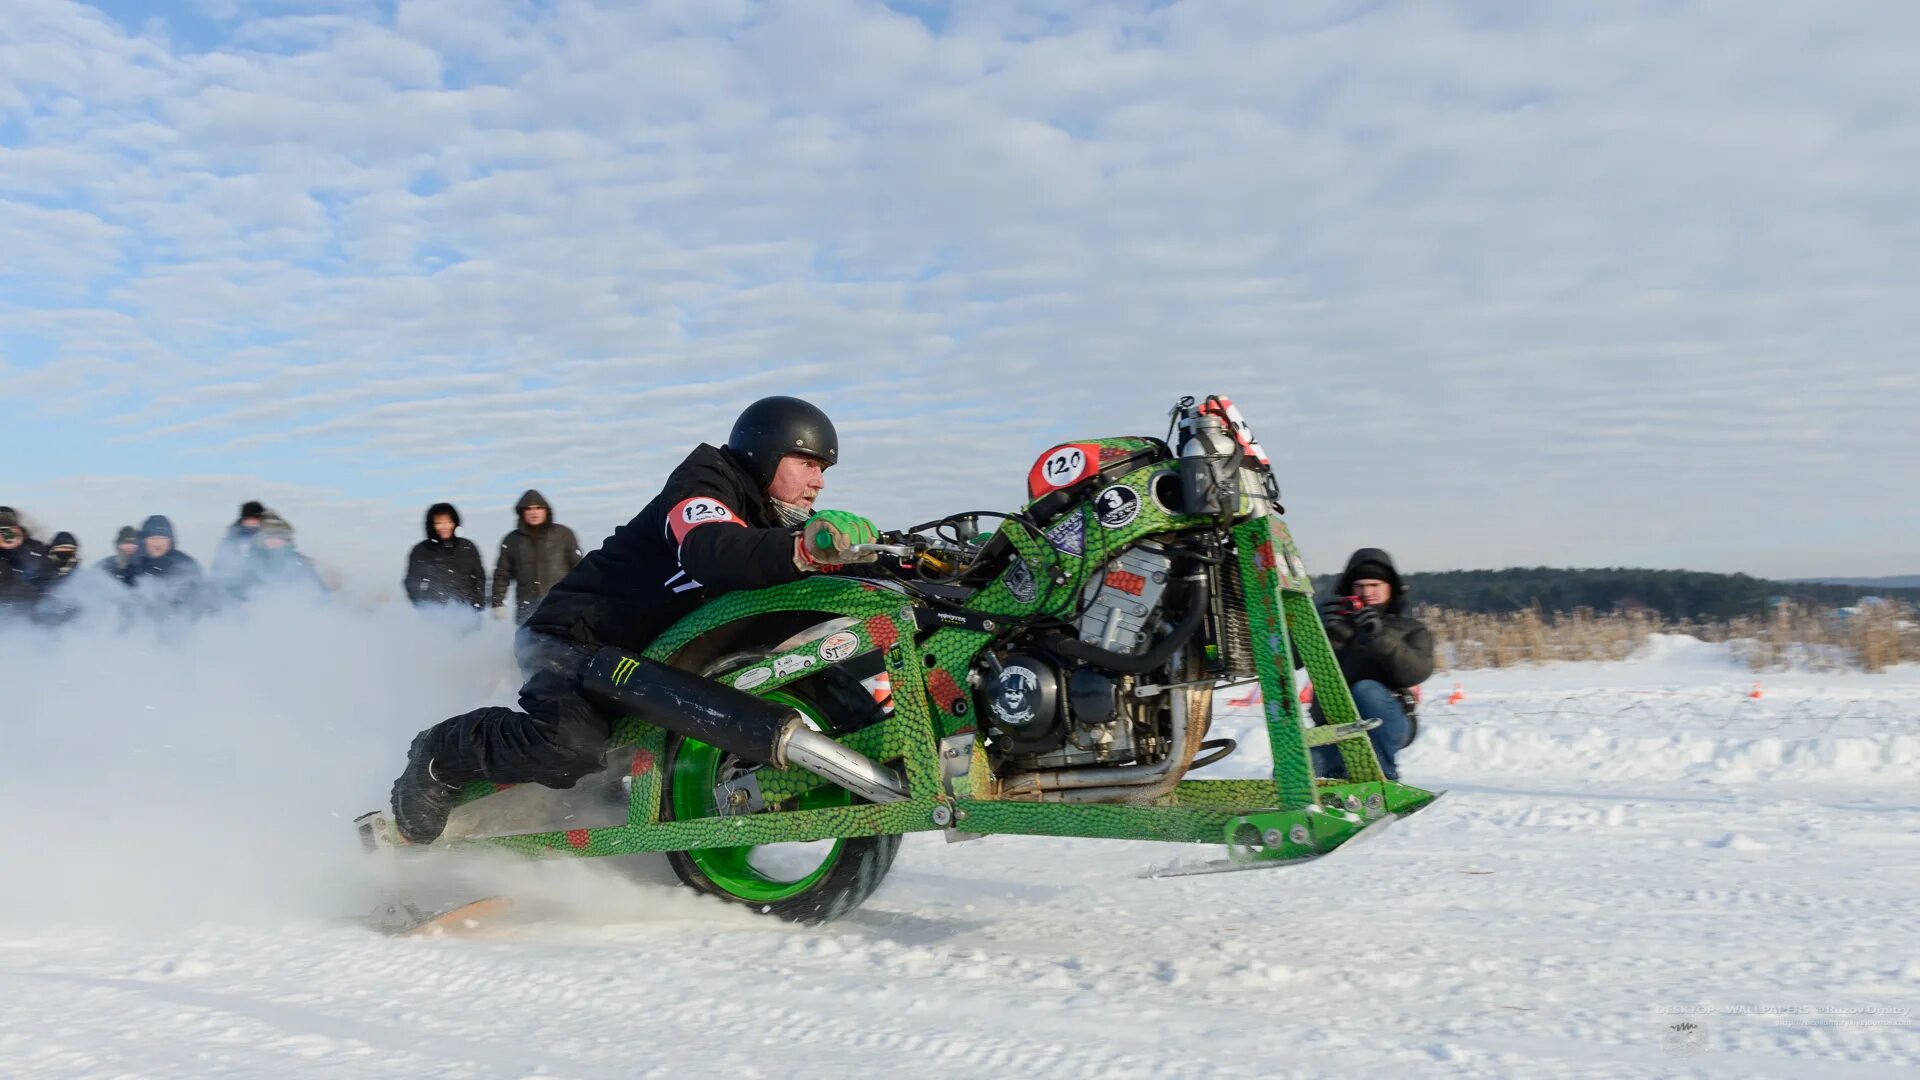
x=421, y=799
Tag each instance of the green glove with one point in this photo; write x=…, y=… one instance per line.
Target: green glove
x=829, y=534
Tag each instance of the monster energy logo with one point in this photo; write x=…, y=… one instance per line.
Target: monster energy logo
x=624, y=670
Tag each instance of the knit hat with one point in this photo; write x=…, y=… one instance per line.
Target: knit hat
x=127, y=535
x=9, y=518
x=63, y=540
x=273, y=525
x=252, y=508
x=1369, y=569
x=157, y=525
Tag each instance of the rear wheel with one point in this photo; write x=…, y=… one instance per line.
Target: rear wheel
x=805, y=882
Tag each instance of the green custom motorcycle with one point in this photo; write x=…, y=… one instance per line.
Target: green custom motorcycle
x=1052, y=675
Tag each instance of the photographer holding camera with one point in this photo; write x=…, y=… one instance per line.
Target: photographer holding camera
x=24, y=570
x=1383, y=652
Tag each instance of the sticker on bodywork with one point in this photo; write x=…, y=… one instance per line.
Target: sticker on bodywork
x=1062, y=467
x=839, y=646
x=1020, y=581
x=1069, y=534
x=1117, y=506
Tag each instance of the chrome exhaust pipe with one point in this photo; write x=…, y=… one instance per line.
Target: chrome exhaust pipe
x=810, y=750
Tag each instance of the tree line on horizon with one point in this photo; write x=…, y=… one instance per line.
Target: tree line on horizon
x=1674, y=594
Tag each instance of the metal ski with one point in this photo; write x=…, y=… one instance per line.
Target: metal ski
x=1231, y=865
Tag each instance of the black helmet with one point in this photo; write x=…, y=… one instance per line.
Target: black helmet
x=773, y=427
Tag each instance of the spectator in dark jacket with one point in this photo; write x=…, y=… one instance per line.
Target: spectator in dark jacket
x=170, y=577
x=1383, y=652
x=59, y=597
x=275, y=562
x=533, y=557
x=444, y=568
x=229, y=559
x=63, y=554
x=24, y=571
x=126, y=550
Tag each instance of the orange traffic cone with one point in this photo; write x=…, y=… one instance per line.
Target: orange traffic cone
x=1456, y=697
x=1755, y=692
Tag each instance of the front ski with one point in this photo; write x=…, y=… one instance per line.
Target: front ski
x=1191, y=868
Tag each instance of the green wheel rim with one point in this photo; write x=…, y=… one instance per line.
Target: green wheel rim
x=696, y=769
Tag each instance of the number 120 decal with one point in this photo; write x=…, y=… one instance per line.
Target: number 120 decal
x=1062, y=467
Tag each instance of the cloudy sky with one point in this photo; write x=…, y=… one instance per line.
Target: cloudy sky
x=1497, y=283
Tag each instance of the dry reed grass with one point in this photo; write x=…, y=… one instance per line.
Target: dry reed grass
x=1866, y=639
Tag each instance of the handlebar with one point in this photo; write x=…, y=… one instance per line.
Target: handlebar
x=904, y=551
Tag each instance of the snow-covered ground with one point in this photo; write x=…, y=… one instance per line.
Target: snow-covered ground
x=1625, y=850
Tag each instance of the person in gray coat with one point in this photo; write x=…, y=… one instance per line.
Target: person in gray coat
x=533, y=557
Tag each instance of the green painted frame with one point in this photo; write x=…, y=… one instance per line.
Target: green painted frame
x=1292, y=815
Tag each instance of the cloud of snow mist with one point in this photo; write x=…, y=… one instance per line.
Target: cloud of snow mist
x=181, y=770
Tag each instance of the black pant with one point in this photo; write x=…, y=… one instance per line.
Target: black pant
x=555, y=738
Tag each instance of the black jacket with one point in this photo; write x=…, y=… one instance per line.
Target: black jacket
x=230, y=558
x=174, y=565
x=533, y=558
x=121, y=569
x=710, y=531
x=1400, y=655
x=25, y=574
x=446, y=571
x=172, y=582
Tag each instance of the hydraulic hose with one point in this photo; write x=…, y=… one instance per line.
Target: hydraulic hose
x=1152, y=659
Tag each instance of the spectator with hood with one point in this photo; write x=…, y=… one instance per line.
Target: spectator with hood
x=275, y=562
x=24, y=571
x=168, y=576
x=444, y=568
x=533, y=557
x=1383, y=653
x=126, y=550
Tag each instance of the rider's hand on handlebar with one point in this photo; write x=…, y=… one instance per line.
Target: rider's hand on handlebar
x=829, y=538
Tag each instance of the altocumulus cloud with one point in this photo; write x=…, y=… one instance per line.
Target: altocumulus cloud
x=1500, y=282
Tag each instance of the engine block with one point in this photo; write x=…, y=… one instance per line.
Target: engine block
x=1121, y=601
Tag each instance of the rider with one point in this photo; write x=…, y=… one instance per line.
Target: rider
x=735, y=517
